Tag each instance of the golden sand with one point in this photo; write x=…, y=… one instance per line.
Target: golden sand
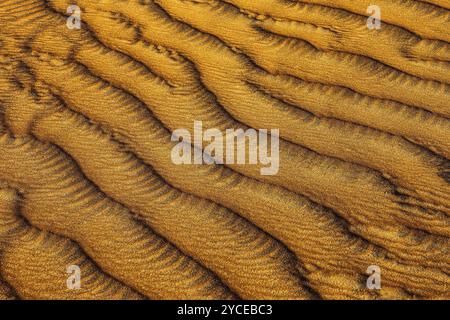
x=87, y=179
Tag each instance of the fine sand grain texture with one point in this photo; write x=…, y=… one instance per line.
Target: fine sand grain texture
x=87, y=177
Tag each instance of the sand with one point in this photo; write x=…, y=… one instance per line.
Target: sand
x=87, y=178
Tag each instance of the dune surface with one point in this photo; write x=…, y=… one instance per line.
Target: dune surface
x=87, y=177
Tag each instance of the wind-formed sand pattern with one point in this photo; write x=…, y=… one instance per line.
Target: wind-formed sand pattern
x=87, y=179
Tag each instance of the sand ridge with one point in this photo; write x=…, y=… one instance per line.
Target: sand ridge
x=86, y=176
